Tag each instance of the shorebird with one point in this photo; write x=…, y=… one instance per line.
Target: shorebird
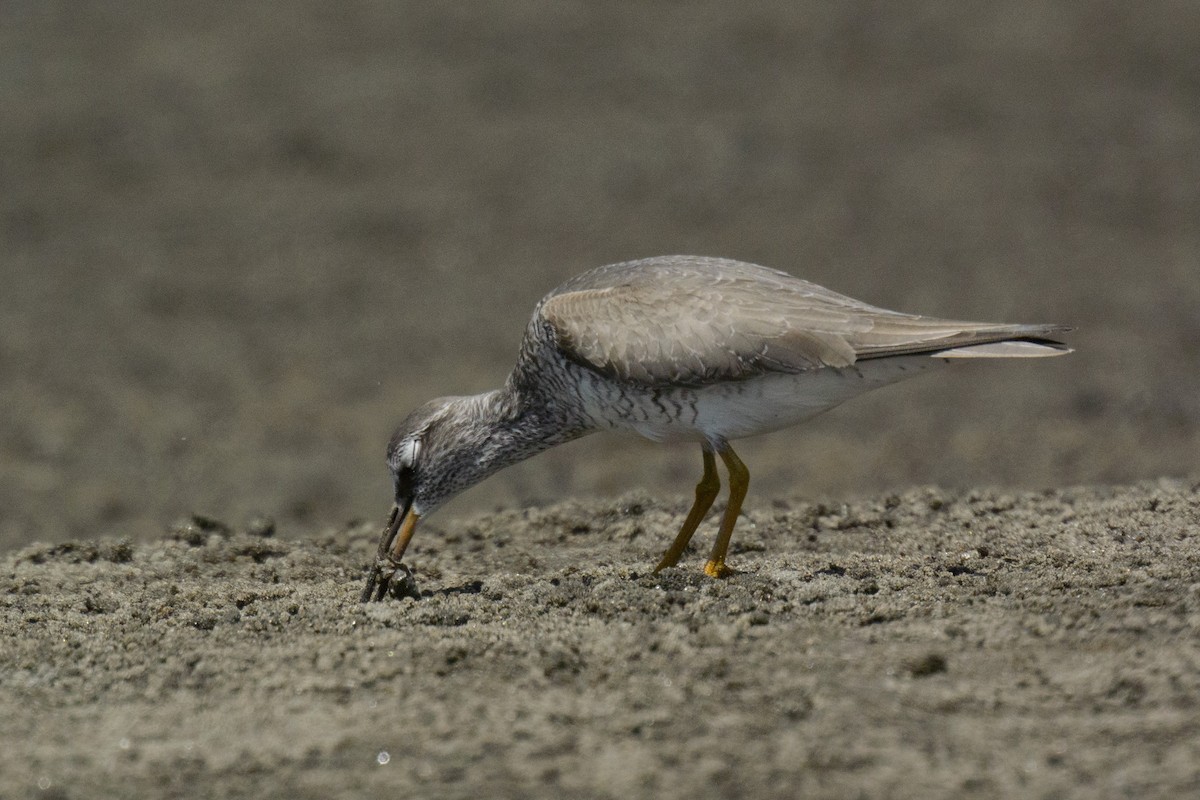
x=672, y=348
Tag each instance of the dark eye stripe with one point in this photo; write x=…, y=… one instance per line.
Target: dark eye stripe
x=405, y=478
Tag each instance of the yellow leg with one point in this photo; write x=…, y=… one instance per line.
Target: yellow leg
x=706, y=492
x=739, y=483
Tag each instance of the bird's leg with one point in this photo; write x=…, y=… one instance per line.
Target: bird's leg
x=739, y=483
x=706, y=492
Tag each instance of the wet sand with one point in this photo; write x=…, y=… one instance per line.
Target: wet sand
x=921, y=644
x=237, y=248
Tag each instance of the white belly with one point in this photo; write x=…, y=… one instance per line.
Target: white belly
x=738, y=409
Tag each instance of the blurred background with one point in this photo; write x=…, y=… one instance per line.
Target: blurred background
x=239, y=241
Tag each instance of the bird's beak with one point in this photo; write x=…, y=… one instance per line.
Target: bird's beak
x=400, y=531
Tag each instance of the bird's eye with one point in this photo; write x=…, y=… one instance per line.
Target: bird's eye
x=406, y=467
x=405, y=479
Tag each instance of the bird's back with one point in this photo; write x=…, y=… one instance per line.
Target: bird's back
x=694, y=321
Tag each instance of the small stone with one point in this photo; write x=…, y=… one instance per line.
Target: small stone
x=402, y=584
x=928, y=664
x=261, y=525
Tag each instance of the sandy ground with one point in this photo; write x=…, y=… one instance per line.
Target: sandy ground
x=921, y=644
x=238, y=246
x=238, y=242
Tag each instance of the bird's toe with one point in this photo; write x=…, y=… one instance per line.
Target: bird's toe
x=718, y=569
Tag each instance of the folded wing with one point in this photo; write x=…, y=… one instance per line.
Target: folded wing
x=684, y=320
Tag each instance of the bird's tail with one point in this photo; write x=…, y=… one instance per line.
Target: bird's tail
x=937, y=338
x=1012, y=348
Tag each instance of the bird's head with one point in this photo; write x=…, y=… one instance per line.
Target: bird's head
x=440, y=449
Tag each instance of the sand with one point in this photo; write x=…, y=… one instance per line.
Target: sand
x=920, y=644
x=239, y=246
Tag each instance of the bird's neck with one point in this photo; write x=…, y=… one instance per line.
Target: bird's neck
x=516, y=426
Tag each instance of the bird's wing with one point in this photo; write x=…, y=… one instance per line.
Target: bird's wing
x=692, y=321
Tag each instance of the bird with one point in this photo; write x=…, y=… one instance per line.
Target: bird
x=672, y=348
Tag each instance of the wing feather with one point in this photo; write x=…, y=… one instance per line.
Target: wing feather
x=685, y=320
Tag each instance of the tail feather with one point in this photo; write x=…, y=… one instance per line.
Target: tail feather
x=978, y=340
x=1011, y=348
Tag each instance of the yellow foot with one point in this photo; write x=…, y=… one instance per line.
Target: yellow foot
x=718, y=569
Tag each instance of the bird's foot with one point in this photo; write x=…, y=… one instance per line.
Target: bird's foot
x=389, y=578
x=718, y=569
x=665, y=563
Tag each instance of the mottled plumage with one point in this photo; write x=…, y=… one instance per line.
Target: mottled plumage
x=677, y=347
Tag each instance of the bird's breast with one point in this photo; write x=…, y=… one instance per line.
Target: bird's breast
x=735, y=409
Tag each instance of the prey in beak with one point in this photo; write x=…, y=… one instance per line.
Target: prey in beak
x=388, y=575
